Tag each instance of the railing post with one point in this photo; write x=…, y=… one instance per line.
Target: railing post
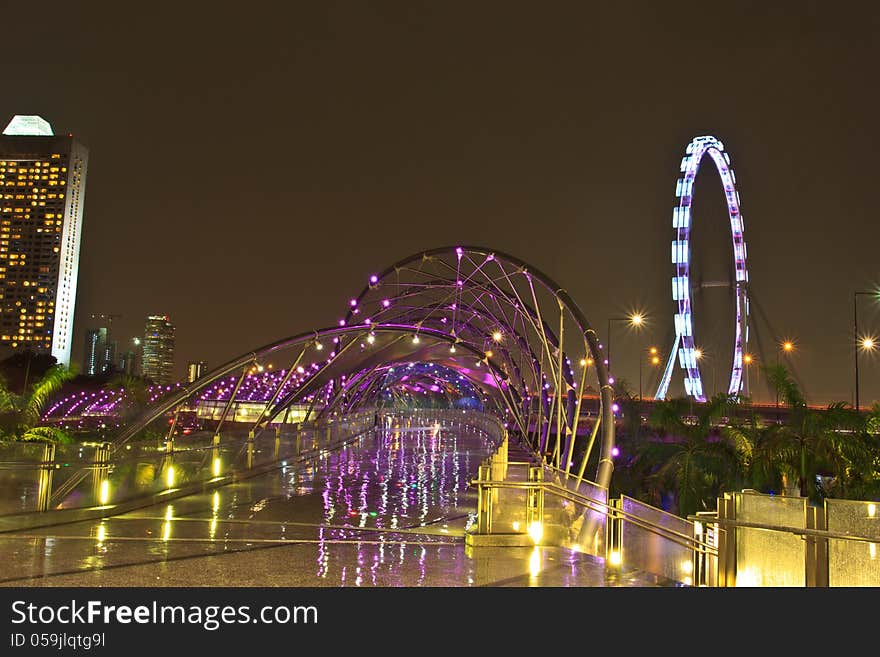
x=215, y=456
x=100, y=471
x=535, y=498
x=614, y=533
x=250, y=449
x=277, y=453
x=726, y=541
x=484, y=500
x=816, y=552
x=47, y=469
x=822, y=577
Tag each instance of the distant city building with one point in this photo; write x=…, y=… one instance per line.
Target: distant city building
x=195, y=369
x=99, y=356
x=158, y=349
x=93, y=356
x=108, y=363
x=42, y=193
x=129, y=363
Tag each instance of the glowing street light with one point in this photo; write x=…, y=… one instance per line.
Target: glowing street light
x=636, y=320
x=655, y=360
x=860, y=343
x=747, y=361
x=785, y=347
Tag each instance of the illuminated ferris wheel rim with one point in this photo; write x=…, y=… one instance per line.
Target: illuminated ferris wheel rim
x=684, y=347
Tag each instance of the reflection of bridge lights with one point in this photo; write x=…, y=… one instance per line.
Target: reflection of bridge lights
x=535, y=562
x=104, y=494
x=614, y=558
x=687, y=567
x=215, y=467
x=101, y=534
x=169, y=477
x=872, y=510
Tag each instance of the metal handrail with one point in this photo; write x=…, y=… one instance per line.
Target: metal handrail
x=800, y=531
x=664, y=532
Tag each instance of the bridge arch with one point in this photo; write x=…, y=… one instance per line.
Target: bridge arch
x=506, y=327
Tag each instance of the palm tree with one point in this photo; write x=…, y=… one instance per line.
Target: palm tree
x=833, y=442
x=690, y=459
x=20, y=414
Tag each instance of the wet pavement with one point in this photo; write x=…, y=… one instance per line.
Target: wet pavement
x=390, y=509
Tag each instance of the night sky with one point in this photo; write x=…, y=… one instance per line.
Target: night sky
x=252, y=163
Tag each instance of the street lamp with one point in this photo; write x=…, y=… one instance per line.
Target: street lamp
x=655, y=360
x=865, y=344
x=635, y=319
x=699, y=354
x=856, y=342
x=786, y=347
x=747, y=361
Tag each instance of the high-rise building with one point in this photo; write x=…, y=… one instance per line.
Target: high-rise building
x=158, y=346
x=195, y=369
x=42, y=193
x=93, y=356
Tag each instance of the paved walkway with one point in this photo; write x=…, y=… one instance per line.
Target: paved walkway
x=389, y=510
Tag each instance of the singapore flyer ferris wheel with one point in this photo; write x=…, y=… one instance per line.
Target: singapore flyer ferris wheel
x=684, y=347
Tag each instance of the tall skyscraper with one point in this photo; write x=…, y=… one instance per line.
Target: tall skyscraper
x=195, y=369
x=42, y=193
x=158, y=345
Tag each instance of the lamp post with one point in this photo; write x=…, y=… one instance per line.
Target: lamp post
x=747, y=361
x=867, y=344
x=786, y=347
x=700, y=355
x=655, y=360
x=635, y=319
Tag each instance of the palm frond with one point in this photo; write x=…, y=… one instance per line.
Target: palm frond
x=46, y=434
x=43, y=390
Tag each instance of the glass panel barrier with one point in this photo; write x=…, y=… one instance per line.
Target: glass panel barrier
x=853, y=563
x=770, y=558
x=19, y=476
x=654, y=551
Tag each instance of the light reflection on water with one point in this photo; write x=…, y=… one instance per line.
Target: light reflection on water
x=406, y=476
x=401, y=477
